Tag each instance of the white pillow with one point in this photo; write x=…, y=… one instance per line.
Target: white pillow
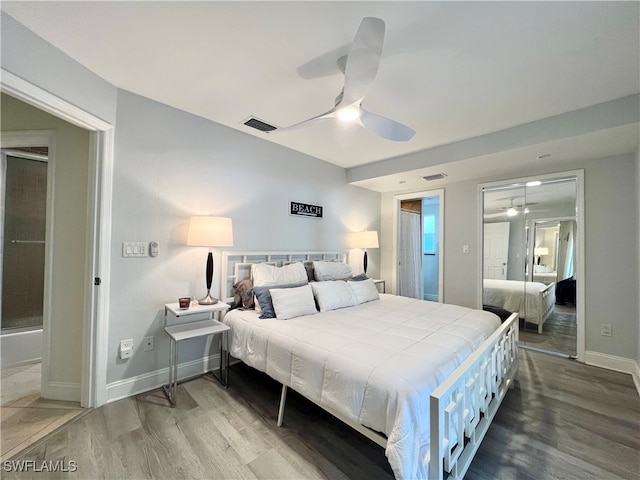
x=542, y=269
x=333, y=294
x=365, y=290
x=264, y=274
x=331, y=271
x=293, y=302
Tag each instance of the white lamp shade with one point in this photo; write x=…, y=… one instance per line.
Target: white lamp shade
x=366, y=239
x=540, y=251
x=210, y=231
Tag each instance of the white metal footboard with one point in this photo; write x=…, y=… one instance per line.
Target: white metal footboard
x=546, y=304
x=463, y=406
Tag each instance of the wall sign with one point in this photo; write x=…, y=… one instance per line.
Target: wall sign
x=305, y=210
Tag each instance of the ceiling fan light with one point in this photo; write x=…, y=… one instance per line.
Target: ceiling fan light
x=512, y=212
x=348, y=114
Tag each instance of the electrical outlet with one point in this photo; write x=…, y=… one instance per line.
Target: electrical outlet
x=126, y=348
x=148, y=344
x=605, y=329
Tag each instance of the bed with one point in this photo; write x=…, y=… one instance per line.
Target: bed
x=421, y=379
x=544, y=274
x=533, y=301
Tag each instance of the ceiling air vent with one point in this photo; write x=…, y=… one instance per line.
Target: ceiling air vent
x=253, y=122
x=437, y=176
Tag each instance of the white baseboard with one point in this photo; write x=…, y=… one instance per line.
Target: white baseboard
x=66, y=391
x=152, y=380
x=611, y=362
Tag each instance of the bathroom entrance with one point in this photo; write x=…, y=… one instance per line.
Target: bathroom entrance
x=23, y=222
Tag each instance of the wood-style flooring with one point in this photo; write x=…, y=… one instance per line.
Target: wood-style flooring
x=562, y=420
x=26, y=417
x=559, y=332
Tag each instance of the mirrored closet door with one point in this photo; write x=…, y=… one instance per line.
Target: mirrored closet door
x=529, y=264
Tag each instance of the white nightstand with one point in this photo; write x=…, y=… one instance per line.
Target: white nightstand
x=378, y=282
x=193, y=329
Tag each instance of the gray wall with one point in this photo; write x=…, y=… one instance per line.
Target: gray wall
x=611, y=248
x=170, y=165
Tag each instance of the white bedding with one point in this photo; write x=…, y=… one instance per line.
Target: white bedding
x=545, y=277
x=510, y=295
x=374, y=363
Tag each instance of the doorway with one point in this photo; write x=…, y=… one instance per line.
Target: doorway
x=419, y=231
x=93, y=384
x=23, y=224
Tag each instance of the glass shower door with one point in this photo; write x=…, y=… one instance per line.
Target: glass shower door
x=23, y=243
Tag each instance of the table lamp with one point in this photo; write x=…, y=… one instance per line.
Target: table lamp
x=209, y=231
x=364, y=240
x=540, y=251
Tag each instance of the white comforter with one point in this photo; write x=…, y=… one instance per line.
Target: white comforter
x=511, y=295
x=375, y=363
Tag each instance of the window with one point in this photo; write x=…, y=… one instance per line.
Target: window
x=429, y=234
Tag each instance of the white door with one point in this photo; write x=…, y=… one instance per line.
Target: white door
x=496, y=250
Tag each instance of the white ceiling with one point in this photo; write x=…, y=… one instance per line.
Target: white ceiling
x=450, y=70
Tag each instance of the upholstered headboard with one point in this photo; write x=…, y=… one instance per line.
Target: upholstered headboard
x=236, y=266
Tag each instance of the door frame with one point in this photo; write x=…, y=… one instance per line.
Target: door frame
x=580, y=245
x=397, y=199
x=93, y=388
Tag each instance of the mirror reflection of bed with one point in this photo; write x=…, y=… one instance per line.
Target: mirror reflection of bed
x=529, y=260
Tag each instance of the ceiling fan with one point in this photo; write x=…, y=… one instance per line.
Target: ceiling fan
x=360, y=71
x=513, y=209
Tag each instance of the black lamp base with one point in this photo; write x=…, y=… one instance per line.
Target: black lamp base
x=208, y=299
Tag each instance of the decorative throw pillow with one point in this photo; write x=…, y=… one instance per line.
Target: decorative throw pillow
x=293, y=302
x=264, y=301
x=308, y=266
x=331, y=271
x=333, y=294
x=265, y=274
x=364, y=290
x=243, y=297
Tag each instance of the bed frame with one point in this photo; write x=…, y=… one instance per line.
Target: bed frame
x=465, y=403
x=545, y=305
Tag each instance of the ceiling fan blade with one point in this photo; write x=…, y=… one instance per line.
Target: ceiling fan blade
x=363, y=59
x=304, y=123
x=385, y=127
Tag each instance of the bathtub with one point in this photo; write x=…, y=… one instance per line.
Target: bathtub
x=20, y=348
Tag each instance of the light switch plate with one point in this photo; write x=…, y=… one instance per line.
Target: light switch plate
x=135, y=249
